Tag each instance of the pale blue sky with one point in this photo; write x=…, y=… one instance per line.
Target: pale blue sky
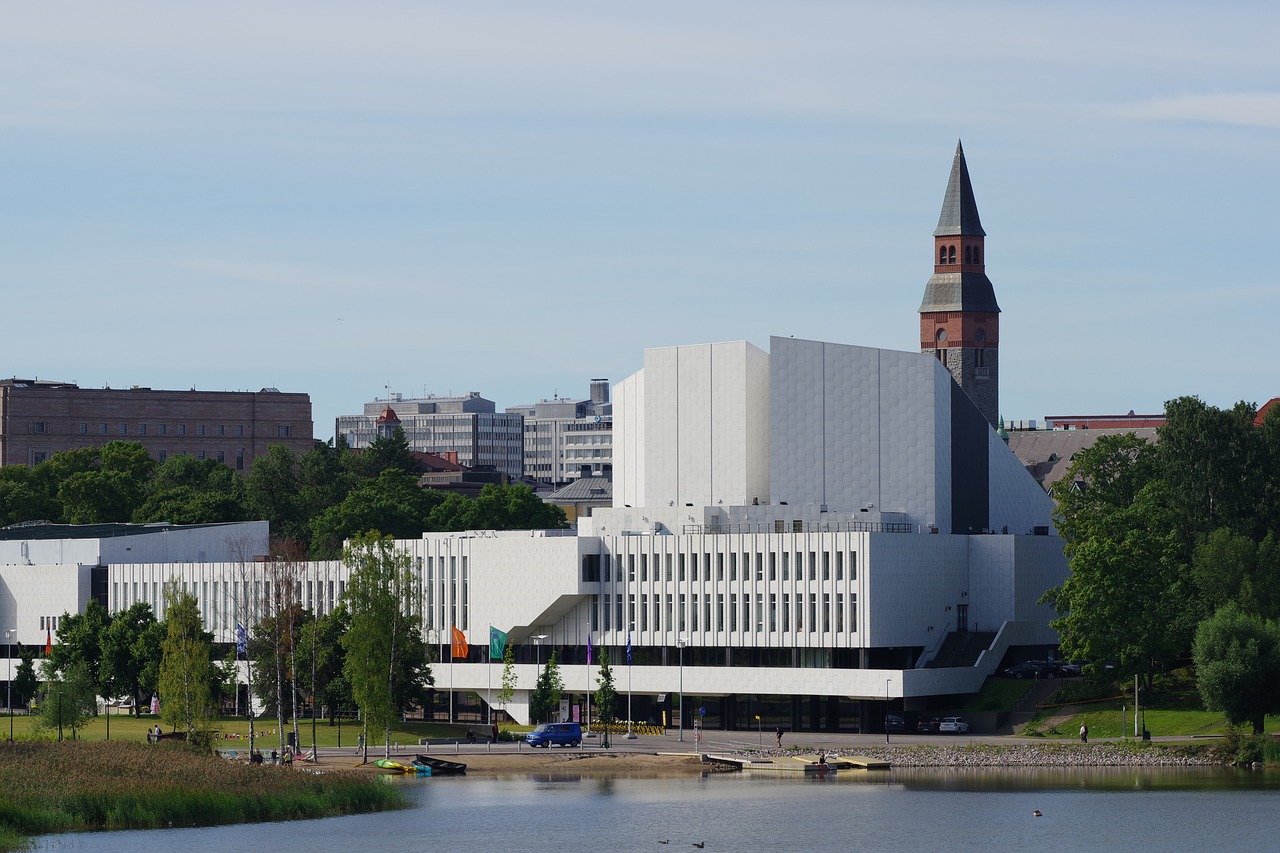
x=514, y=198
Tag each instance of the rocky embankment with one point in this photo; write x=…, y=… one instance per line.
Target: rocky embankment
x=1035, y=755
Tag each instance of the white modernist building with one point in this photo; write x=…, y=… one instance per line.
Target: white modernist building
x=798, y=535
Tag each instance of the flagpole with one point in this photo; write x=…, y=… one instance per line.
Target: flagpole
x=488, y=683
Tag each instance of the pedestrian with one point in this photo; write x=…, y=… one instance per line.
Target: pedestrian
x=495, y=732
x=1084, y=733
x=778, y=735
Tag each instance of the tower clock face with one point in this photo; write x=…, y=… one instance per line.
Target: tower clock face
x=942, y=336
x=980, y=335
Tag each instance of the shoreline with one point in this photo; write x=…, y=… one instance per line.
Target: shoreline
x=626, y=762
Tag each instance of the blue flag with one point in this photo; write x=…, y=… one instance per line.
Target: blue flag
x=628, y=648
x=588, y=648
x=242, y=640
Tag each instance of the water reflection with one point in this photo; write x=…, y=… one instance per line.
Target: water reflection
x=897, y=810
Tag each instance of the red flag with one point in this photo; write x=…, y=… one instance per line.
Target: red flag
x=460, y=647
x=48, y=641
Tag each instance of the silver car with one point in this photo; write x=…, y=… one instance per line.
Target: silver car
x=953, y=725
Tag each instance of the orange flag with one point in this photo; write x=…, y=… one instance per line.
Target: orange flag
x=460, y=647
x=48, y=641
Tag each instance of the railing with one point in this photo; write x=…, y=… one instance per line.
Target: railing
x=802, y=527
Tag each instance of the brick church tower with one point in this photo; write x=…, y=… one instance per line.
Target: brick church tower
x=959, y=317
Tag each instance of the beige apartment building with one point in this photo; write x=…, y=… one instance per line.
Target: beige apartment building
x=40, y=418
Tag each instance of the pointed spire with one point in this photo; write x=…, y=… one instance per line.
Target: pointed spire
x=959, y=210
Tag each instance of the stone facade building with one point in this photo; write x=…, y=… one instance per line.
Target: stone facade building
x=39, y=418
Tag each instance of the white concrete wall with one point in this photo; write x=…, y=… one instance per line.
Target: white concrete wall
x=854, y=427
x=30, y=593
x=628, y=431
x=1017, y=500
x=211, y=543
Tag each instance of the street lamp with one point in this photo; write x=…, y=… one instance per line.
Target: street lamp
x=681, y=642
x=8, y=698
x=630, y=734
x=886, y=710
x=537, y=639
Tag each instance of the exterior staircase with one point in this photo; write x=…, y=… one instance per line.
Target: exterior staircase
x=962, y=648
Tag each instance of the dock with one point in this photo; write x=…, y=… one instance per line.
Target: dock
x=797, y=763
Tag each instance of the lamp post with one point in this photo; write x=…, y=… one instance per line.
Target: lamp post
x=630, y=734
x=8, y=698
x=681, y=642
x=537, y=639
x=886, y=710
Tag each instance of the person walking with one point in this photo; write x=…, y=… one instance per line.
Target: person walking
x=778, y=734
x=1084, y=733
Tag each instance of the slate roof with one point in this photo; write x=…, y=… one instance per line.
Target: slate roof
x=959, y=210
x=1047, y=453
x=583, y=490
x=959, y=291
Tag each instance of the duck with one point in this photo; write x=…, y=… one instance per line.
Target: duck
x=1036, y=813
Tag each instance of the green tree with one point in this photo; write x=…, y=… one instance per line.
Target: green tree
x=1211, y=460
x=273, y=492
x=24, y=496
x=130, y=652
x=320, y=658
x=112, y=490
x=79, y=640
x=1128, y=600
x=393, y=503
x=513, y=507
x=185, y=664
x=544, y=702
x=509, y=679
x=386, y=453
x=1237, y=657
x=385, y=633
x=70, y=701
x=606, y=695
x=1228, y=567
x=25, y=681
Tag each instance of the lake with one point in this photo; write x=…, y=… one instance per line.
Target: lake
x=1109, y=809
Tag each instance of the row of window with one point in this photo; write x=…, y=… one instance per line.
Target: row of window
x=771, y=564
x=49, y=623
x=761, y=613
x=220, y=430
x=947, y=254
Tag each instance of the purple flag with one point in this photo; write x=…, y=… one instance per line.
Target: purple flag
x=588, y=648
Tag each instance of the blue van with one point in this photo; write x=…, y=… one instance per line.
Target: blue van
x=561, y=734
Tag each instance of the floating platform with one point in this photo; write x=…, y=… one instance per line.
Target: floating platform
x=798, y=763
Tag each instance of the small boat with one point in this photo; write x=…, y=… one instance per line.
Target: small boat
x=440, y=767
x=388, y=764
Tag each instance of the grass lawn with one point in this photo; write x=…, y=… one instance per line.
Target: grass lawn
x=236, y=730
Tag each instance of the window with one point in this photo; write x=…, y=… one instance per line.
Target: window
x=102, y=429
x=942, y=254
x=733, y=611
x=680, y=566
x=951, y=254
x=733, y=567
x=164, y=454
x=200, y=454
x=786, y=611
x=759, y=566
x=644, y=612
x=182, y=429
x=644, y=567
x=84, y=429
x=826, y=565
x=222, y=430
x=199, y=429
x=979, y=358
x=977, y=254
x=124, y=429
x=284, y=431
x=239, y=460
x=968, y=254
x=221, y=456
x=38, y=427
x=142, y=429
x=239, y=430
x=39, y=456
x=162, y=429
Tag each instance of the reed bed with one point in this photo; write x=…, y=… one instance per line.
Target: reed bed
x=85, y=785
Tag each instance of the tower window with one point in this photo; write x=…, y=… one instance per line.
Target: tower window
x=951, y=255
x=968, y=254
x=942, y=254
x=941, y=336
x=977, y=255
x=980, y=358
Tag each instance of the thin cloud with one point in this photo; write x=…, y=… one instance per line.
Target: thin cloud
x=1260, y=109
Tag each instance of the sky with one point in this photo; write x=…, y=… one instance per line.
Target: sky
x=353, y=199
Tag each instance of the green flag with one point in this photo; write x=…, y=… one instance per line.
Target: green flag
x=497, y=643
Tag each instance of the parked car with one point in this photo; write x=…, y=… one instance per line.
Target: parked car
x=555, y=734
x=1031, y=669
x=895, y=723
x=953, y=726
x=928, y=727
x=1070, y=670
